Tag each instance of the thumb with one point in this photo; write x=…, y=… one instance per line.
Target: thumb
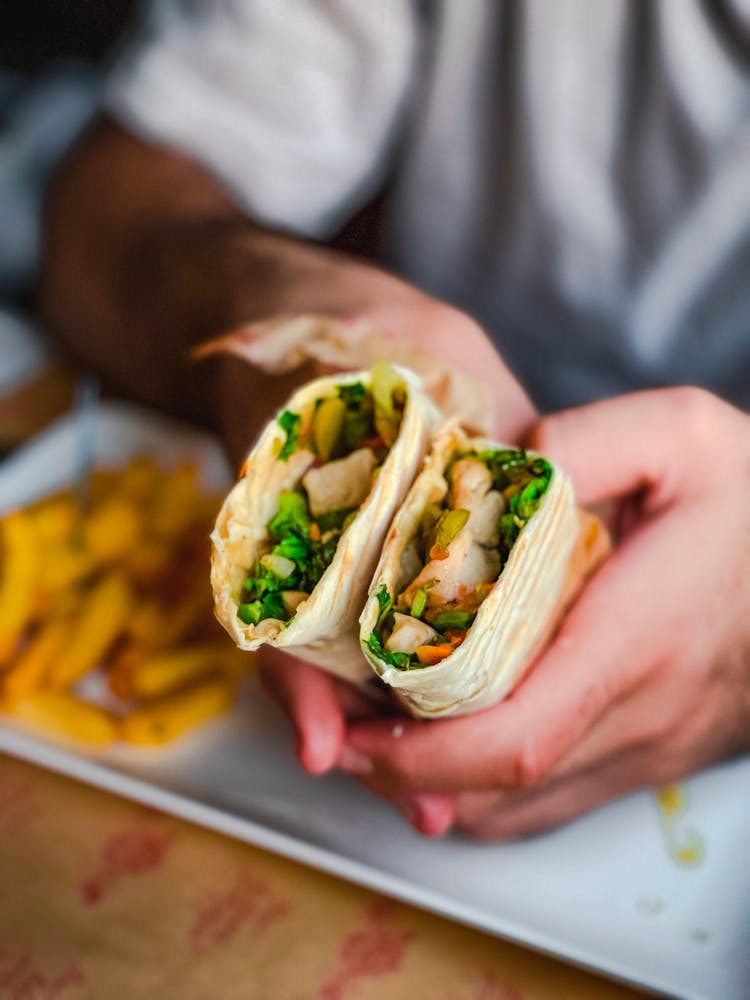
x=628, y=443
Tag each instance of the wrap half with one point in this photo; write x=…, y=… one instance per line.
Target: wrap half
x=481, y=562
x=298, y=537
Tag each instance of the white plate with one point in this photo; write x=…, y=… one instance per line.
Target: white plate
x=604, y=891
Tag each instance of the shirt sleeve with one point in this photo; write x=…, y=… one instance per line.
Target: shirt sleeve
x=293, y=104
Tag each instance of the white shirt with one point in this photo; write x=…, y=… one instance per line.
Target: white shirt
x=574, y=173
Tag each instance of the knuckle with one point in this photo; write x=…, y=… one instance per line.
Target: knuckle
x=402, y=764
x=697, y=410
x=541, y=438
x=458, y=323
x=528, y=766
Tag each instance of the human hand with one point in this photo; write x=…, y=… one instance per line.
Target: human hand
x=316, y=702
x=458, y=363
x=648, y=678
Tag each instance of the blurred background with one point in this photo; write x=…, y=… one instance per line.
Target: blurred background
x=52, y=60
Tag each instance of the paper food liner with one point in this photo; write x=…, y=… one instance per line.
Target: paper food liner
x=283, y=344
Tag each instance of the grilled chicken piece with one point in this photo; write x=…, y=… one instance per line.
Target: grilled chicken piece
x=471, y=489
x=408, y=633
x=341, y=484
x=292, y=599
x=466, y=566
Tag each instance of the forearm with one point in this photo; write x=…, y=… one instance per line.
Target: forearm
x=146, y=255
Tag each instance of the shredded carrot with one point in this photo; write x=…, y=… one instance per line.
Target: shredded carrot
x=438, y=552
x=373, y=442
x=430, y=655
x=468, y=601
x=455, y=636
x=315, y=532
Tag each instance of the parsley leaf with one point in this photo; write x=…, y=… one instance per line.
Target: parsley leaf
x=402, y=661
x=289, y=422
x=292, y=517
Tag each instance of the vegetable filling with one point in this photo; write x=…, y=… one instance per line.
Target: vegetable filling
x=457, y=554
x=345, y=439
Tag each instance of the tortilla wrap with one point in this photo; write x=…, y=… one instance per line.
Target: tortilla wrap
x=324, y=627
x=282, y=344
x=554, y=553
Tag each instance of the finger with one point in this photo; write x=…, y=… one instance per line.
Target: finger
x=621, y=445
x=592, y=663
x=430, y=814
x=641, y=743
x=357, y=705
x=520, y=814
x=309, y=698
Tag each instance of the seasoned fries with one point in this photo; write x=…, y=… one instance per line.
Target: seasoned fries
x=119, y=591
x=17, y=584
x=103, y=617
x=169, y=671
x=65, y=715
x=166, y=719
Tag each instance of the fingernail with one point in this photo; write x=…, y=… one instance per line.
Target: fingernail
x=354, y=762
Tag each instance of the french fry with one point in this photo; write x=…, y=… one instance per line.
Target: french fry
x=18, y=579
x=149, y=561
x=54, y=520
x=165, y=720
x=112, y=530
x=65, y=715
x=102, y=484
x=31, y=669
x=62, y=570
x=121, y=587
x=168, y=671
x=140, y=480
x=154, y=626
x=103, y=617
x=177, y=505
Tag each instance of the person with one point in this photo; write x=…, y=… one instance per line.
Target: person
x=565, y=184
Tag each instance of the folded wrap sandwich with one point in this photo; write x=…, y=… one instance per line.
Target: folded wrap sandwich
x=298, y=537
x=482, y=560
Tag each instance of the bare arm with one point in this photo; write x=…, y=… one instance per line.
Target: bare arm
x=146, y=255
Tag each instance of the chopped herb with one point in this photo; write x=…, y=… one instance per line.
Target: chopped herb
x=290, y=529
x=353, y=394
x=529, y=497
x=389, y=394
x=360, y=413
x=293, y=547
x=250, y=613
x=383, y=599
x=453, y=619
x=509, y=530
x=419, y=603
x=448, y=526
x=402, y=661
x=289, y=422
x=328, y=427
x=292, y=518
x=334, y=520
x=503, y=464
x=426, y=532
x=273, y=606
